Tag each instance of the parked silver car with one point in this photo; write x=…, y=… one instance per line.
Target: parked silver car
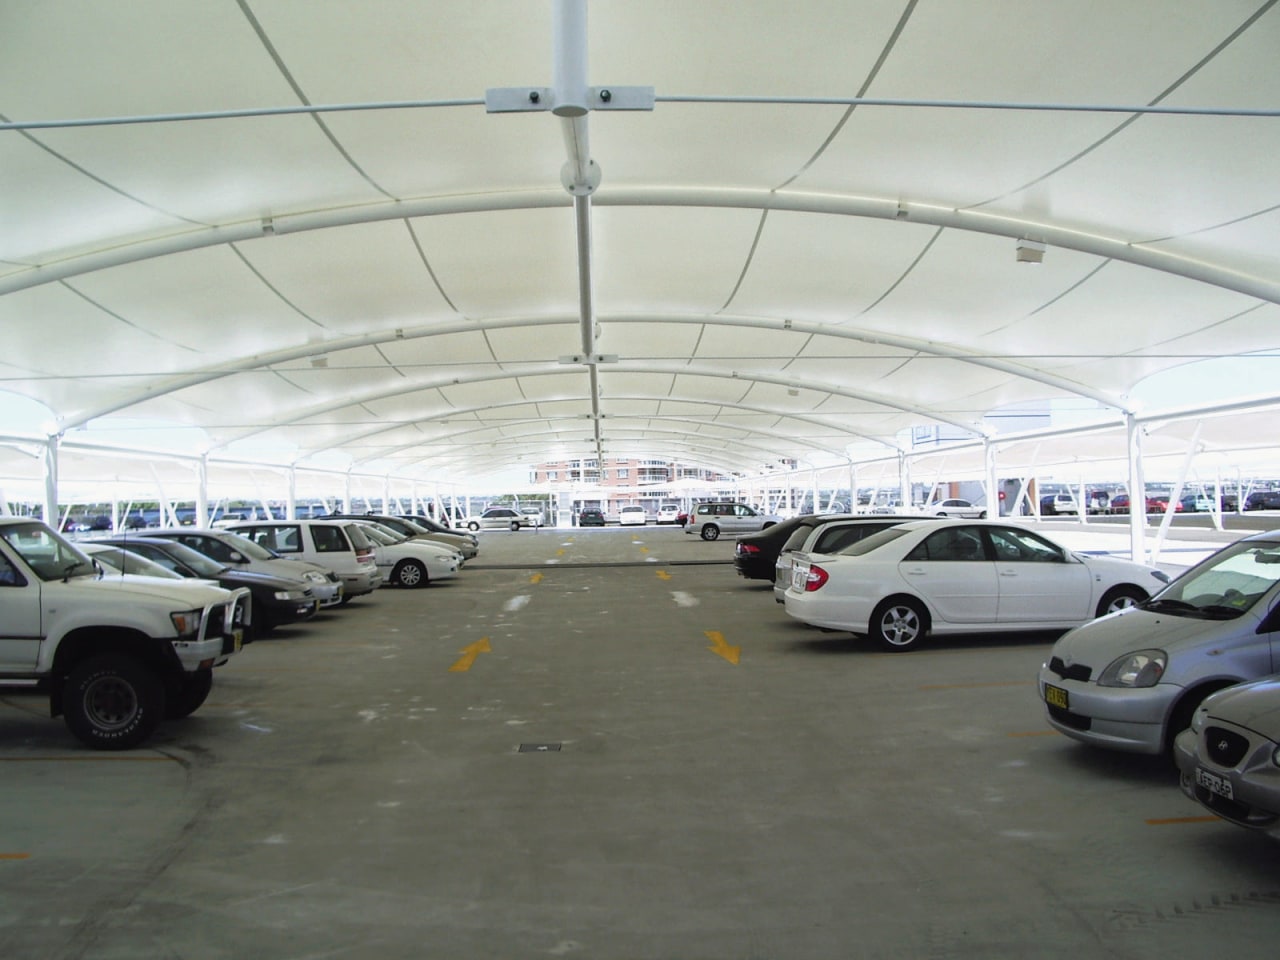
x=1132, y=681
x=1229, y=759
x=710, y=520
x=504, y=518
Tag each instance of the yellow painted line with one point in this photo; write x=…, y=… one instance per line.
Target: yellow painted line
x=14, y=856
x=975, y=686
x=536, y=578
x=560, y=552
x=469, y=654
x=663, y=575
x=644, y=549
x=1164, y=821
x=720, y=646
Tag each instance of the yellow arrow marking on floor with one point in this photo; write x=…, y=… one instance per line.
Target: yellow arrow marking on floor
x=644, y=549
x=469, y=654
x=663, y=575
x=560, y=552
x=720, y=646
x=536, y=578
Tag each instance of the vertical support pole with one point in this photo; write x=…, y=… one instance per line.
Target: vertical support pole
x=989, y=478
x=202, y=493
x=1137, y=490
x=51, y=479
x=904, y=481
x=291, y=498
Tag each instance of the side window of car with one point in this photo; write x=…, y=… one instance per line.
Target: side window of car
x=833, y=540
x=744, y=511
x=9, y=575
x=157, y=556
x=1023, y=547
x=328, y=539
x=288, y=540
x=953, y=543
x=210, y=547
x=262, y=536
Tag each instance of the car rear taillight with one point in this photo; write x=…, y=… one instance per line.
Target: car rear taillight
x=815, y=578
x=747, y=549
x=363, y=556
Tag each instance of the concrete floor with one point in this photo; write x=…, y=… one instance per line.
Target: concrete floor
x=700, y=777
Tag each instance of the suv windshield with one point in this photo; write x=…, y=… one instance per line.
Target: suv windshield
x=51, y=557
x=1224, y=585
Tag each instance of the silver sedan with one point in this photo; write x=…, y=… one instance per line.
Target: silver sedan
x=1133, y=681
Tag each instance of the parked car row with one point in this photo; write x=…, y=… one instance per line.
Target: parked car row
x=293, y=568
x=1187, y=668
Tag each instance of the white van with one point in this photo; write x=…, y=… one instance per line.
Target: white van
x=339, y=545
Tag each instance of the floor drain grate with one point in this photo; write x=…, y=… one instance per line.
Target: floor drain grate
x=539, y=748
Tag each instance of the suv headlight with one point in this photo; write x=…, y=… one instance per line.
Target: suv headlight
x=1142, y=668
x=315, y=576
x=186, y=622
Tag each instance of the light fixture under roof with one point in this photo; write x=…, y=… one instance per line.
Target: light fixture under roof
x=1030, y=251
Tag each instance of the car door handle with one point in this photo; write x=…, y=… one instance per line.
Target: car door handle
x=1008, y=573
x=916, y=572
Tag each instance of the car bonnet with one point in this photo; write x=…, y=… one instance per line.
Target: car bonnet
x=1253, y=705
x=1100, y=641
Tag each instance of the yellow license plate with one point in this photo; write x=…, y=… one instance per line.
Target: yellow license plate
x=238, y=638
x=1056, y=697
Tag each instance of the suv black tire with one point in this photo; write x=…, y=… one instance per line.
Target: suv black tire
x=113, y=702
x=710, y=531
x=185, y=693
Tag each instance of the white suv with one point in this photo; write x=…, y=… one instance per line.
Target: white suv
x=709, y=520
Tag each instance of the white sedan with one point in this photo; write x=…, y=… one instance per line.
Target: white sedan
x=632, y=515
x=955, y=508
x=410, y=563
x=943, y=576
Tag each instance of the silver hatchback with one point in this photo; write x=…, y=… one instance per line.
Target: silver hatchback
x=1229, y=759
x=1132, y=680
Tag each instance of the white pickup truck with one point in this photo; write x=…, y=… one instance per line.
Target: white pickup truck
x=114, y=654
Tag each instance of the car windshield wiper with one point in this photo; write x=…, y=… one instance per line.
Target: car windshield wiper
x=70, y=568
x=1170, y=605
x=1218, y=611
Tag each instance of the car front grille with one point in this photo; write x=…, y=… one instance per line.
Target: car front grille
x=1077, y=671
x=1226, y=748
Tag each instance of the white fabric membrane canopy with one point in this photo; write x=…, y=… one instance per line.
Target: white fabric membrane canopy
x=729, y=233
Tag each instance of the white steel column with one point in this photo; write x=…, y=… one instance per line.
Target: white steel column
x=904, y=480
x=291, y=499
x=1137, y=490
x=202, y=491
x=51, y=480
x=989, y=478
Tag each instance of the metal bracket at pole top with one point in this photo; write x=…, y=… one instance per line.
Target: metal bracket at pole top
x=536, y=99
